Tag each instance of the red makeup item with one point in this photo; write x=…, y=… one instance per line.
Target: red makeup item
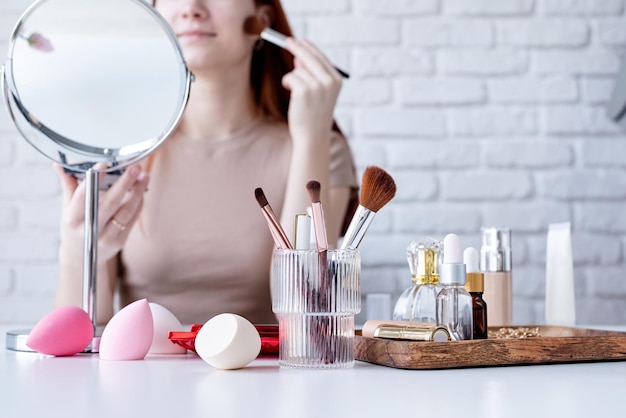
x=268, y=333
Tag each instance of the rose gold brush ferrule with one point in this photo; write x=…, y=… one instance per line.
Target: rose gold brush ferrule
x=280, y=238
x=320, y=226
x=358, y=227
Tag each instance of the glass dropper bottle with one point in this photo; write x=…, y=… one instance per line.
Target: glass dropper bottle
x=475, y=285
x=418, y=302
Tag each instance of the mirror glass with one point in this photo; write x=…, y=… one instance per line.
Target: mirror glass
x=92, y=81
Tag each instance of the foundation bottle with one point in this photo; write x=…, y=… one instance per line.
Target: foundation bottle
x=475, y=285
x=418, y=302
x=454, y=304
x=495, y=263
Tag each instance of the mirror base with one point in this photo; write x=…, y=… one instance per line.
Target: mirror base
x=16, y=341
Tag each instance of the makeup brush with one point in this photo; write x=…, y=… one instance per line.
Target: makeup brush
x=280, y=237
x=315, y=190
x=377, y=189
x=254, y=26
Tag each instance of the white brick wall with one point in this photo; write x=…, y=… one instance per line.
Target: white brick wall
x=485, y=112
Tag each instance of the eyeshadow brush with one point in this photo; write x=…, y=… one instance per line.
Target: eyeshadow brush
x=254, y=26
x=278, y=233
x=377, y=189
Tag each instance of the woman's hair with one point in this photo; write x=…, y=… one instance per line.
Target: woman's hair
x=269, y=64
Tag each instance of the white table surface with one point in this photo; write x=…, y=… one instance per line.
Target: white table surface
x=33, y=385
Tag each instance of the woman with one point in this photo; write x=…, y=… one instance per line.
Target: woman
x=257, y=116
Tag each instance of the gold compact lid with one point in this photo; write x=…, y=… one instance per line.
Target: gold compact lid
x=424, y=257
x=475, y=282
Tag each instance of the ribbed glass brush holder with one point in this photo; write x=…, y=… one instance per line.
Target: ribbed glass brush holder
x=315, y=295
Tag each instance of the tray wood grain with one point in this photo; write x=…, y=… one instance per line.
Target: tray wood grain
x=553, y=345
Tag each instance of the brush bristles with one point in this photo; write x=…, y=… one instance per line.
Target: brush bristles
x=253, y=25
x=377, y=188
x=260, y=197
x=315, y=190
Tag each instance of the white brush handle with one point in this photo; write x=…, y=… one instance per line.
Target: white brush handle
x=277, y=38
x=358, y=227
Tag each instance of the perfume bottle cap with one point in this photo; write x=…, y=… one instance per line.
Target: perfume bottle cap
x=424, y=257
x=452, y=271
x=475, y=279
x=495, y=252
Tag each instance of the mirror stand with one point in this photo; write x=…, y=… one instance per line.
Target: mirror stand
x=16, y=339
x=90, y=254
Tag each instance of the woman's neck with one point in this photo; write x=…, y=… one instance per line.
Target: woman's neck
x=219, y=104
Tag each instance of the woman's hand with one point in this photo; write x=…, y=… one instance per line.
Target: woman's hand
x=118, y=209
x=314, y=85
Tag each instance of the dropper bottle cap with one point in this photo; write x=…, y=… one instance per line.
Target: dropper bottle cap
x=452, y=271
x=424, y=257
x=475, y=279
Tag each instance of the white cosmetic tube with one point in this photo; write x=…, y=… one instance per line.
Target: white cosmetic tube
x=560, y=297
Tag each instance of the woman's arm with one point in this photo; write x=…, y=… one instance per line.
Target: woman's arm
x=314, y=85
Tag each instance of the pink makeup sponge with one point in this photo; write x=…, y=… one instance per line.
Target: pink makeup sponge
x=164, y=321
x=128, y=335
x=63, y=332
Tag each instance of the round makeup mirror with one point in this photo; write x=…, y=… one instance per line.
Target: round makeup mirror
x=94, y=81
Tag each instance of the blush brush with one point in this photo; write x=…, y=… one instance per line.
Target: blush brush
x=254, y=26
x=377, y=189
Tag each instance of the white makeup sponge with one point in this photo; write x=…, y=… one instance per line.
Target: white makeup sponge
x=228, y=341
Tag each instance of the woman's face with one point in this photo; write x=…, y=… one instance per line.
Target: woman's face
x=210, y=31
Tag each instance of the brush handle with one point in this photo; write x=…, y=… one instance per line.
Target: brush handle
x=278, y=39
x=278, y=233
x=358, y=227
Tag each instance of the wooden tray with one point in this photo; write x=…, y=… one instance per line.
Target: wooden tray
x=553, y=345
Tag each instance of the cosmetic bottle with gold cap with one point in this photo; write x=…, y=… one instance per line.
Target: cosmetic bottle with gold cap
x=475, y=285
x=418, y=302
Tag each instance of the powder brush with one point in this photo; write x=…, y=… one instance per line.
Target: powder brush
x=254, y=26
x=278, y=233
x=377, y=189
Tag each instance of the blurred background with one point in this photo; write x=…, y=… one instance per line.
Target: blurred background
x=485, y=112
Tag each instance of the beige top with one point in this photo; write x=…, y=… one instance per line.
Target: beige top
x=202, y=246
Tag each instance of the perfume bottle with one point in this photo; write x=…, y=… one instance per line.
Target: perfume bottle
x=418, y=302
x=475, y=285
x=495, y=263
x=454, y=304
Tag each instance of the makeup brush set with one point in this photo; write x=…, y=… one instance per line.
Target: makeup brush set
x=377, y=189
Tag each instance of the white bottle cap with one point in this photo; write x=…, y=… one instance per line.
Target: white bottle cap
x=452, y=271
